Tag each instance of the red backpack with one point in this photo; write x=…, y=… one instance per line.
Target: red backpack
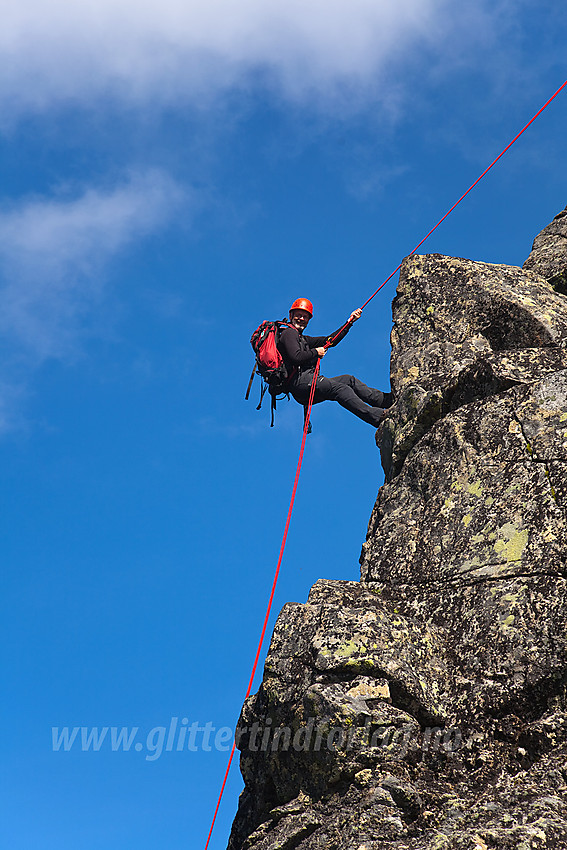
x=269, y=362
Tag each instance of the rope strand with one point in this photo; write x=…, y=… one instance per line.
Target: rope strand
x=471, y=187
x=275, y=581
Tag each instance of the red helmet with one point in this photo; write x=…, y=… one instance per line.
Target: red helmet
x=302, y=304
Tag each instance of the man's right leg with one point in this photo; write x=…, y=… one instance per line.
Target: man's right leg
x=372, y=396
x=336, y=390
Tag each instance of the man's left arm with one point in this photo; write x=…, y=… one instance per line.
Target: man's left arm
x=340, y=334
x=315, y=341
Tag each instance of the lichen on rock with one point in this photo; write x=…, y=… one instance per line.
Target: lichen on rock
x=426, y=706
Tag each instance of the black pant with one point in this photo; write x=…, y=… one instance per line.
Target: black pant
x=365, y=402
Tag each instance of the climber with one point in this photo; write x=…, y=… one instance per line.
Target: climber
x=300, y=354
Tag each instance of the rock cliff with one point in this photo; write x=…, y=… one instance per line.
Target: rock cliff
x=426, y=706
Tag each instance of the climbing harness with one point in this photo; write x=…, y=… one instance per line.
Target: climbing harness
x=306, y=426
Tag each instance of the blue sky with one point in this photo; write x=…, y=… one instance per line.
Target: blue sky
x=171, y=175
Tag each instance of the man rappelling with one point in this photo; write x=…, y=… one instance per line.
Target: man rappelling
x=300, y=354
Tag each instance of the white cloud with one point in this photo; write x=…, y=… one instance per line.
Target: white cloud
x=67, y=51
x=53, y=253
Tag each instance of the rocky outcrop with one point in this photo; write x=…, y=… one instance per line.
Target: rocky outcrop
x=426, y=706
x=549, y=253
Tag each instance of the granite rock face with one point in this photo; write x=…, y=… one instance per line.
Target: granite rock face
x=426, y=706
x=549, y=253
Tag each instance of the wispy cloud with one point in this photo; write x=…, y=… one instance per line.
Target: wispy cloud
x=53, y=253
x=58, y=51
x=54, y=256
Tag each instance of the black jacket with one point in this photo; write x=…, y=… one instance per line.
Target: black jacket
x=298, y=351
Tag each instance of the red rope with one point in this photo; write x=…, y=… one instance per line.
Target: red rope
x=306, y=426
x=274, y=583
x=471, y=187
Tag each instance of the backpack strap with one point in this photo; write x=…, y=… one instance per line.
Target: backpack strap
x=250, y=381
x=280, y=327
x=263, y=389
